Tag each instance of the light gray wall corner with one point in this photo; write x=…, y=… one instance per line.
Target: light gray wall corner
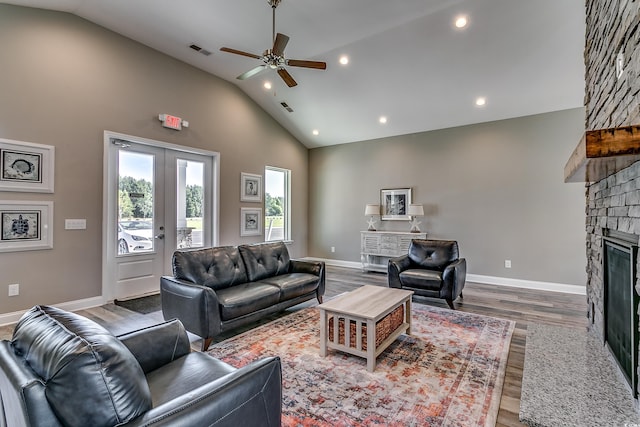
x=64, y=82
x=497, y=188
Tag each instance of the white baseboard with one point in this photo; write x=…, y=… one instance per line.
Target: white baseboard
x=488, y=280
x=8, y=318
x=528, y=284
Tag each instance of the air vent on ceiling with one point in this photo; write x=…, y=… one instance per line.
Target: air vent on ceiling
x=286, y=107
x=197, y=48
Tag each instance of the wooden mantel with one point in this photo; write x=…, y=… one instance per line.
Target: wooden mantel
x=603, y=152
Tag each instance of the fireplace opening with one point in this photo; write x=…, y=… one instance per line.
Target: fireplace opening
x=621, y=305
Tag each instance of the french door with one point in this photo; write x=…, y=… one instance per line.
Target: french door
x=158, y=198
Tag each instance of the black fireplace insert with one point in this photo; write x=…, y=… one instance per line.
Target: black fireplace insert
x=621, y=306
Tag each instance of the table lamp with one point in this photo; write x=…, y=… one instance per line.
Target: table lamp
x=415, y=211
x=372, y=210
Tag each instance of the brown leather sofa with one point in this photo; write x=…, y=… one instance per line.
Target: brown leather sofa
x=214, y=290
x=62, y=369
x=432, y=268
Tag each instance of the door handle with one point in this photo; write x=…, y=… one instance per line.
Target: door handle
x=159, y=236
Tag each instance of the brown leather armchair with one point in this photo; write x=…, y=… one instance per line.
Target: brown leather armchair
x=432, y=268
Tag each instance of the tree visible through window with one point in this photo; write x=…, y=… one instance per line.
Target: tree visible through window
x=276, y=204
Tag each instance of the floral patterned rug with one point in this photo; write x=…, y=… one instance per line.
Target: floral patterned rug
x=449, y=372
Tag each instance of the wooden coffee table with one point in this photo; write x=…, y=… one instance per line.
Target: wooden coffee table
x=364, y=306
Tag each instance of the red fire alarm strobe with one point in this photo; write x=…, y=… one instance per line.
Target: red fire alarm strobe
x=172, y=122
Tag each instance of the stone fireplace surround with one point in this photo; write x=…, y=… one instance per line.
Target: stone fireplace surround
x=613, y=204
x=611, y=100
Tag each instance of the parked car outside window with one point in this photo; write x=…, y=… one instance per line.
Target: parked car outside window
x=134, y=236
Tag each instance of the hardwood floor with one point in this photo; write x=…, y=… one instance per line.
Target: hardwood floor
x=524, y=306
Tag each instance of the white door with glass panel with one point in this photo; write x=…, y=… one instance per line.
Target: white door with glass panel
x=158, y=200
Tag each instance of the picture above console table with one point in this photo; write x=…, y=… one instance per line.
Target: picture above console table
x=376, y=247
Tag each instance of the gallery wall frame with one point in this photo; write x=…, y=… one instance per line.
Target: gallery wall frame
x=250, y=221
x=25, y=225
x=26, y=166
x=250, y=187
x=394, y=204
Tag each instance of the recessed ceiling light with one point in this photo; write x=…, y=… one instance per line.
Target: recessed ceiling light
x=461, y=21
x=382, y=119
x=267, y=85
x=481, y=101
x=344, y=59
x=316, y=132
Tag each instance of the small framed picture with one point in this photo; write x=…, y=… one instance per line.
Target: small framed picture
x=250, y=187
x=250, y=221
x=25, y=225
x=26, y=166
x=395, y=204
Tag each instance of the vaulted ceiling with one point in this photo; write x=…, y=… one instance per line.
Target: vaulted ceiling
x=408, y=61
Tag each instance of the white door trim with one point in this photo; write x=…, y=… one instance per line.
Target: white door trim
x=108, y=182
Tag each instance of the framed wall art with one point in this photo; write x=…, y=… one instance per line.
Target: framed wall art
x=395, y=203
x=250, y=221
x=250, y=187
x=26, y=166
x=25, y=225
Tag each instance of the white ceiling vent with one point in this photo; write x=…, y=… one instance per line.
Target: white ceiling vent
x=286, y=107
x=197, y=48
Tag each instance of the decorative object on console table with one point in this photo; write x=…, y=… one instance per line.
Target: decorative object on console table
x=376, y=247
x=395, y=203
x=372, y=210
x=250, y=187
x=415, y=211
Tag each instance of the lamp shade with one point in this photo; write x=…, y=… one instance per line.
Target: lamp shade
x=372, y=210
x=415, y=210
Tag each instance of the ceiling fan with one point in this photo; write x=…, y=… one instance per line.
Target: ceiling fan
x=274, y=58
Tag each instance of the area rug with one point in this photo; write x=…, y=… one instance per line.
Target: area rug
x=449, y=372
x=142, y=305
x=569, y=379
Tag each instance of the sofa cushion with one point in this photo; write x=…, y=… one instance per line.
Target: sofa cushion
x=217, y=268
x=90, y=376
x=194, y=370
x=421, y=279
x=293, y=285
x=246, y=298
x=265, y=260
x=433, y=254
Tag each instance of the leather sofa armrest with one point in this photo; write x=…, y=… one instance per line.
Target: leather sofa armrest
x=250, y=396
x=454, y=276
x=396, y=266
x=317, y=268
x=157, y=345
x=197, y=306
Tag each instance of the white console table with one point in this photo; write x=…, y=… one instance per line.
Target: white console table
x=376, y=247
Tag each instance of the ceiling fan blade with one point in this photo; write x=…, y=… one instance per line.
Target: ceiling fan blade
x=252, y=72
x=287, y=77
x=279, y=44
x=307, y=64
x=239, y=52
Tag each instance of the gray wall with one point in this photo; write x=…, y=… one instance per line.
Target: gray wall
x=495, y=187
x=64, y=81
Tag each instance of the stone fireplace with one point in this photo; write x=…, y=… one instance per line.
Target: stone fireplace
x=607, y=158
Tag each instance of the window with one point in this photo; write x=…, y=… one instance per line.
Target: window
x=277, y=205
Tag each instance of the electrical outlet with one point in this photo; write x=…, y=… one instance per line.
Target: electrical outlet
x=14, y=290
x=507, y=263
x=333, y=248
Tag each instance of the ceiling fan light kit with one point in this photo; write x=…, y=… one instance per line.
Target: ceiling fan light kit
x=274, y=58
